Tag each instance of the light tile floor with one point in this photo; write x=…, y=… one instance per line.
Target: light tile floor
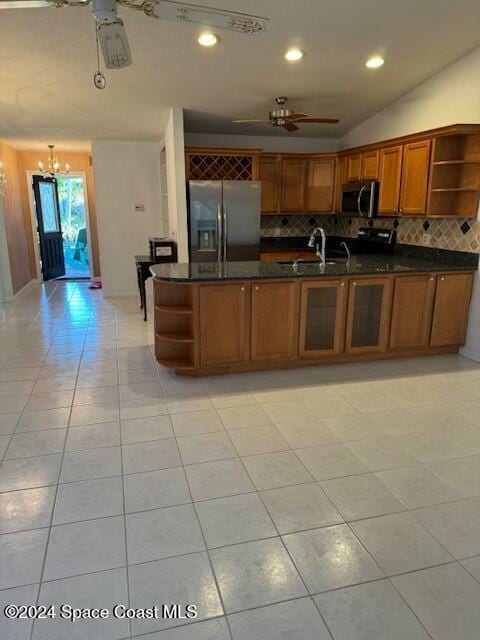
x=330, y=502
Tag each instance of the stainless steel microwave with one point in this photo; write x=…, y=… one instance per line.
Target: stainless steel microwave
x=360, y=199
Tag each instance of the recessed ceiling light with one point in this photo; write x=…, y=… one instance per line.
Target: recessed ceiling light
x=293, y=55
x=374, y=62
x=208, y=39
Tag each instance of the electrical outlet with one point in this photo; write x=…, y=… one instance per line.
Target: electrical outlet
x=426, y=239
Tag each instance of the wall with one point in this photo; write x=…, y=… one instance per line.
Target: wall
x=275, y=144
x=126, y=173
x=177, y=198
x=16, y=233
x=450, y=97
x=81, y=162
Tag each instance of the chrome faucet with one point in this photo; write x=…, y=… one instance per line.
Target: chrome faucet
x=347, y=250
x=319, y=247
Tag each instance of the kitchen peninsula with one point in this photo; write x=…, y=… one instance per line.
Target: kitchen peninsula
x=213, y=318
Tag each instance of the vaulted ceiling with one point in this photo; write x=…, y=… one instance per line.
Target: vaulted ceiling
x=47, y=60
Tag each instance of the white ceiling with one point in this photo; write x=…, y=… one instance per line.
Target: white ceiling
x=47, y=60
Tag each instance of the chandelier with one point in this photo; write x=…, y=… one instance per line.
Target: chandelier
x=3, y=179
x=53, y=166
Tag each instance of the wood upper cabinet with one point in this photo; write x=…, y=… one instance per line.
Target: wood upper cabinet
x=274, y=320
x=368, y=316
x=390, y=176
x=294, y=174
x=223, y=323
x=322, y=317
x=370, y=165
x=269, y=175
x=412, y=311
x=340, y=180
x=354, y=167
x=320, y=185
x=415, y=170
x=450, y=312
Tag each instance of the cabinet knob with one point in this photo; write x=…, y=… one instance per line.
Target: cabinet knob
x=431, y=279
x=342, y=284
x=242, y=288
x=442, y=278
x=395, y=209
x=354, y=284
x=256, y=288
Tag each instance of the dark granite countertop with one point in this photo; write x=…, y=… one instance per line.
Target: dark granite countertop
x=374, y=264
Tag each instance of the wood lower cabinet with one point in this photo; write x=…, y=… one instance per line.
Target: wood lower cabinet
x=223, y=324
x=368, y=316
x=450, y=312
x=294, y=173
x=269, y=175
x=322, y=317
x=212, y=328
x=370, y=164
x=412, y=312
x=274, y=320
x=415, y=170
x=320, y=185
x=390, y=176
x=354, y=167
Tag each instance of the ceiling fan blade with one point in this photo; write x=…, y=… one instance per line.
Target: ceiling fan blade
x=209, y=16
x=289, y=126
x=297, y=116
x=262, y=120
x=23, y=4
x=37, y=4
x=318, y=120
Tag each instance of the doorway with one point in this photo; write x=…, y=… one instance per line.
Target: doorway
x=62, y=226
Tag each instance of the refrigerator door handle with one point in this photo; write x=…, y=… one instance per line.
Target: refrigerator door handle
x=219, y=233
x=225, y=226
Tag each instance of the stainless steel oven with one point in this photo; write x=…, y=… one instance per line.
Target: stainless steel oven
x=360, y=199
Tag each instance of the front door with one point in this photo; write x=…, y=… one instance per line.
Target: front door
x=49, y=227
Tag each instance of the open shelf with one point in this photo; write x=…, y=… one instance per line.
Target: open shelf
x=453, y=189
x=175, y=327
x=447, y=162
x=177, y=363
x=174, y=337
x=178, y=309
x=455, y=176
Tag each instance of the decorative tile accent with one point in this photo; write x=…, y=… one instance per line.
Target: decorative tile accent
x=444, y=234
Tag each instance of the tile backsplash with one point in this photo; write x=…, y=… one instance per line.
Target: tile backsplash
x=458, y=234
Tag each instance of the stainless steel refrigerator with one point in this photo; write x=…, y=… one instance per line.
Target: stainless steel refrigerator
x=224, y=220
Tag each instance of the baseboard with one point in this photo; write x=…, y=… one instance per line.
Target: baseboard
x=25, y=289
x=471, y=354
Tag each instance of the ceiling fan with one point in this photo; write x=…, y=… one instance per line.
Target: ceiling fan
x=111, y=31
x=281, y=116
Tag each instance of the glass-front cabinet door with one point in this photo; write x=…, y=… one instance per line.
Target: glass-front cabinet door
x=323, y=312
x=368, y=316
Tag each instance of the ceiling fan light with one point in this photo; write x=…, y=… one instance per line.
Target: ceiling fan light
x=374, y=62
x=207, y=39
x=293, y=55
x=114, y=44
